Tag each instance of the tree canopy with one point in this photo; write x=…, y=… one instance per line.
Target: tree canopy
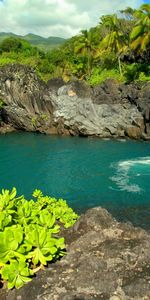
x=118, y=47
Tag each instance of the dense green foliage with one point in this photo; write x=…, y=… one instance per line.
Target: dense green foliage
x=118, y=47
x=30, y=234
x=42, y=43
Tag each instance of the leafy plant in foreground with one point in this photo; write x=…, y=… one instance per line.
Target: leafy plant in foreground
x=30, y=234
x=16, y=273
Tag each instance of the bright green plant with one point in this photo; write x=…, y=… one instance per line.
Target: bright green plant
x=30, y=234
x=45, y=248
x=16, y=274
x=1, y=103
x=44, y=117
x=144, y=77
x=100, y=75
x=34, y=121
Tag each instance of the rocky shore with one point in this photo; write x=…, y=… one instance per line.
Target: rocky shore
x=105, y=260
x=110, y=110
x=5, y=128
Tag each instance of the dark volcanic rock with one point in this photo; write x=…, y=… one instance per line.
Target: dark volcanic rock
x=27, y=103
x=107, y=92
x=55, y=83
x=105, y=260
x=108, y=110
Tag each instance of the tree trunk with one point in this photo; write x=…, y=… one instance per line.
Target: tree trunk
x=89, y=69
x=119, y=63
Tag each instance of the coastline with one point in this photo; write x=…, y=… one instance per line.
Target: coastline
x=109, y=110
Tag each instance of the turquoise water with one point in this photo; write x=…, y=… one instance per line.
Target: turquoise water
x=86, y=172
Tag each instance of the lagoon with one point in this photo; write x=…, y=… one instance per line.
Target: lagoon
x=87, y=172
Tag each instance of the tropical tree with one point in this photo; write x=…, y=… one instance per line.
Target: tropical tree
x=140, y=35
x=115, y=40
x=129, y=13
x=85, y=46
x=11, y=44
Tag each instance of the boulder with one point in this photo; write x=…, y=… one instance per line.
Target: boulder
x=134, y=132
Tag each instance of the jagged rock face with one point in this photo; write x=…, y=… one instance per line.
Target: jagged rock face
x=105, y=260
x=84, y=117
x=108, y=110
x=27, y=103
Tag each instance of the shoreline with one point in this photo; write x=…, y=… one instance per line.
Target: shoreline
x=6, y=128
x=109, y=110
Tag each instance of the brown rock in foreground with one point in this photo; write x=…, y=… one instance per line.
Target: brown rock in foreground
x=105, y=260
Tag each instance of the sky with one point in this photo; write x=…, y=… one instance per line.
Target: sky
x=63, y=18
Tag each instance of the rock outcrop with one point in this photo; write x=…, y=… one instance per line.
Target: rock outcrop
x=105, y=260
x=26, y=101
x=108, y=110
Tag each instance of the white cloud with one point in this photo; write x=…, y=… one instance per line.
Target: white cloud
x=56, y=17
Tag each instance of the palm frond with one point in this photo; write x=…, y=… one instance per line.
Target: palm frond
x=137, y=30
x=145, y=42
x=136, y=43
x=105, y=42
x=145, y=7
x=79, y=47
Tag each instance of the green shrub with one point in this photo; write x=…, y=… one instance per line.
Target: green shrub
x=136, y=72
x=99, y=75
x=107, y=60
x=144, y=77
x=131, y=72
x=30, y=234
x=4, y=60
x=34, y=121
x=11, y=44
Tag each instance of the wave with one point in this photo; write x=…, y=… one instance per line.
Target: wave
x=130, y=163
x=127, y=171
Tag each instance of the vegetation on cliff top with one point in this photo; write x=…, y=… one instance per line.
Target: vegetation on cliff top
x=118, y=47
x=30, y=234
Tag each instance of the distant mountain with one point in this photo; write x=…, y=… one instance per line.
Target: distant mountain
x=36, y=40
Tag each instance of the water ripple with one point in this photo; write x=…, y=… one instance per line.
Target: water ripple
x=126, y=172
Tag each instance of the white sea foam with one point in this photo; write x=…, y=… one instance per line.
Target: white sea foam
x=127, y=171
x=130, y=163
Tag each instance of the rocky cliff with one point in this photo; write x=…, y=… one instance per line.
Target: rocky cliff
x=105, y=260
x=108, y=110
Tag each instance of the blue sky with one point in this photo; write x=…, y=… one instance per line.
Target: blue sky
x=57, y=17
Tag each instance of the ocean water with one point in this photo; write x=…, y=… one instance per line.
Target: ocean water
x=87, y=172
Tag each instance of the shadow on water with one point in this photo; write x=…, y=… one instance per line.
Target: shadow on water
x=138, y=216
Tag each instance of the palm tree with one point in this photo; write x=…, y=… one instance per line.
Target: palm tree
x=129, y=13
x=140, y=35
x=85, y=46
x=115, y=40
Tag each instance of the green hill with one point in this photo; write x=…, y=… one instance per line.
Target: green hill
x=36, y=40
